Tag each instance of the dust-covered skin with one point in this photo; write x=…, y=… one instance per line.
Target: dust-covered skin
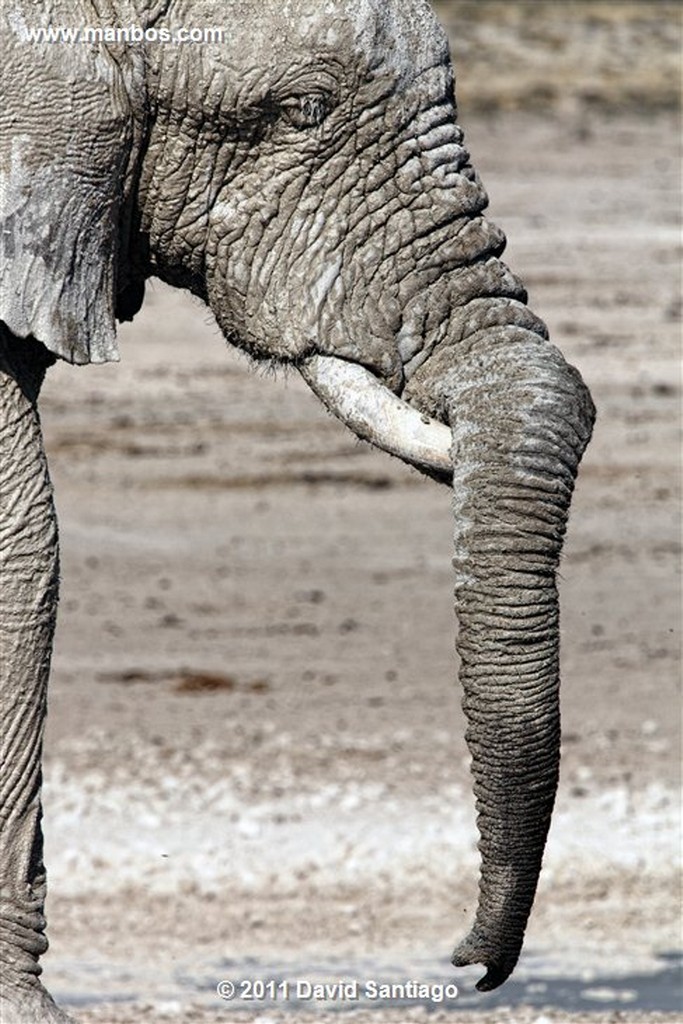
x=307, y=178
x=215, y=698
x=247, y=761
x=28, y=600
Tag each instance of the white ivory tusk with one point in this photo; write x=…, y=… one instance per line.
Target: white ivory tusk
x=376, y=414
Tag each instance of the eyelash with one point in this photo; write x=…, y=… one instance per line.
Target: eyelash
x=306, y=111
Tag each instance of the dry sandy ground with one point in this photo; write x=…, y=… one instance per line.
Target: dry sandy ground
x=255, y=765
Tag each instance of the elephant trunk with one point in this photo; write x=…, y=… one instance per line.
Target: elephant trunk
x=521, y=419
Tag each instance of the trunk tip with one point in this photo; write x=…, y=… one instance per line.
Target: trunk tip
x=499, y=965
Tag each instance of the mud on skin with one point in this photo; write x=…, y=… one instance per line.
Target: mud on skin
x=308, y=179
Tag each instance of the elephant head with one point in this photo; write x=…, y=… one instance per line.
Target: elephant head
x=305, y=175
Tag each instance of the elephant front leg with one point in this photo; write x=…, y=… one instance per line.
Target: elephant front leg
x=28, y=601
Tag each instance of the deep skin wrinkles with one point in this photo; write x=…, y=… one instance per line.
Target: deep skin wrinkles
x=387, y=240
x=375, y=199
x=346, y=184
x=362, y=248
x=228, y=124
x=207, y=227
x=256, y=252
x=307, y=178
x=29, y=555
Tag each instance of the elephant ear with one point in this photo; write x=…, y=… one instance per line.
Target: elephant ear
x=66, y=139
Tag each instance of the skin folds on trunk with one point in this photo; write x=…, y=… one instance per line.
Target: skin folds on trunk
x=521, y=419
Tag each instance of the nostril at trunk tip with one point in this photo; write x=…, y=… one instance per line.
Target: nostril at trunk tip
x=494, y=977
x=473, y=951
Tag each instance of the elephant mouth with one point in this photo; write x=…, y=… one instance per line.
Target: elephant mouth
x=375, y=414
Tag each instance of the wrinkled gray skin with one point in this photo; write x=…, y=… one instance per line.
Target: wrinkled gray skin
x=307, y=178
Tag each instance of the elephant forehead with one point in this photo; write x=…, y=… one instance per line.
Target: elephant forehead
x=400, y=36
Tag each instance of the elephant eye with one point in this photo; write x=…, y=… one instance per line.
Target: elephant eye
x=306, y=111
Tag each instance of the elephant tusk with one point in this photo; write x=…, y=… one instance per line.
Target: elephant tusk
x=376, y=414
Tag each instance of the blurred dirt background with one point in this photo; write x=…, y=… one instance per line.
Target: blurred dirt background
x=255, y=764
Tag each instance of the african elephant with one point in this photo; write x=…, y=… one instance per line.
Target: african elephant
x=303, y=174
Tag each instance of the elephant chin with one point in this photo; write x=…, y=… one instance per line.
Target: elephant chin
x=376, y=414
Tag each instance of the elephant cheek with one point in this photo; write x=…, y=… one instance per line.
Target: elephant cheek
x=280, y=298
